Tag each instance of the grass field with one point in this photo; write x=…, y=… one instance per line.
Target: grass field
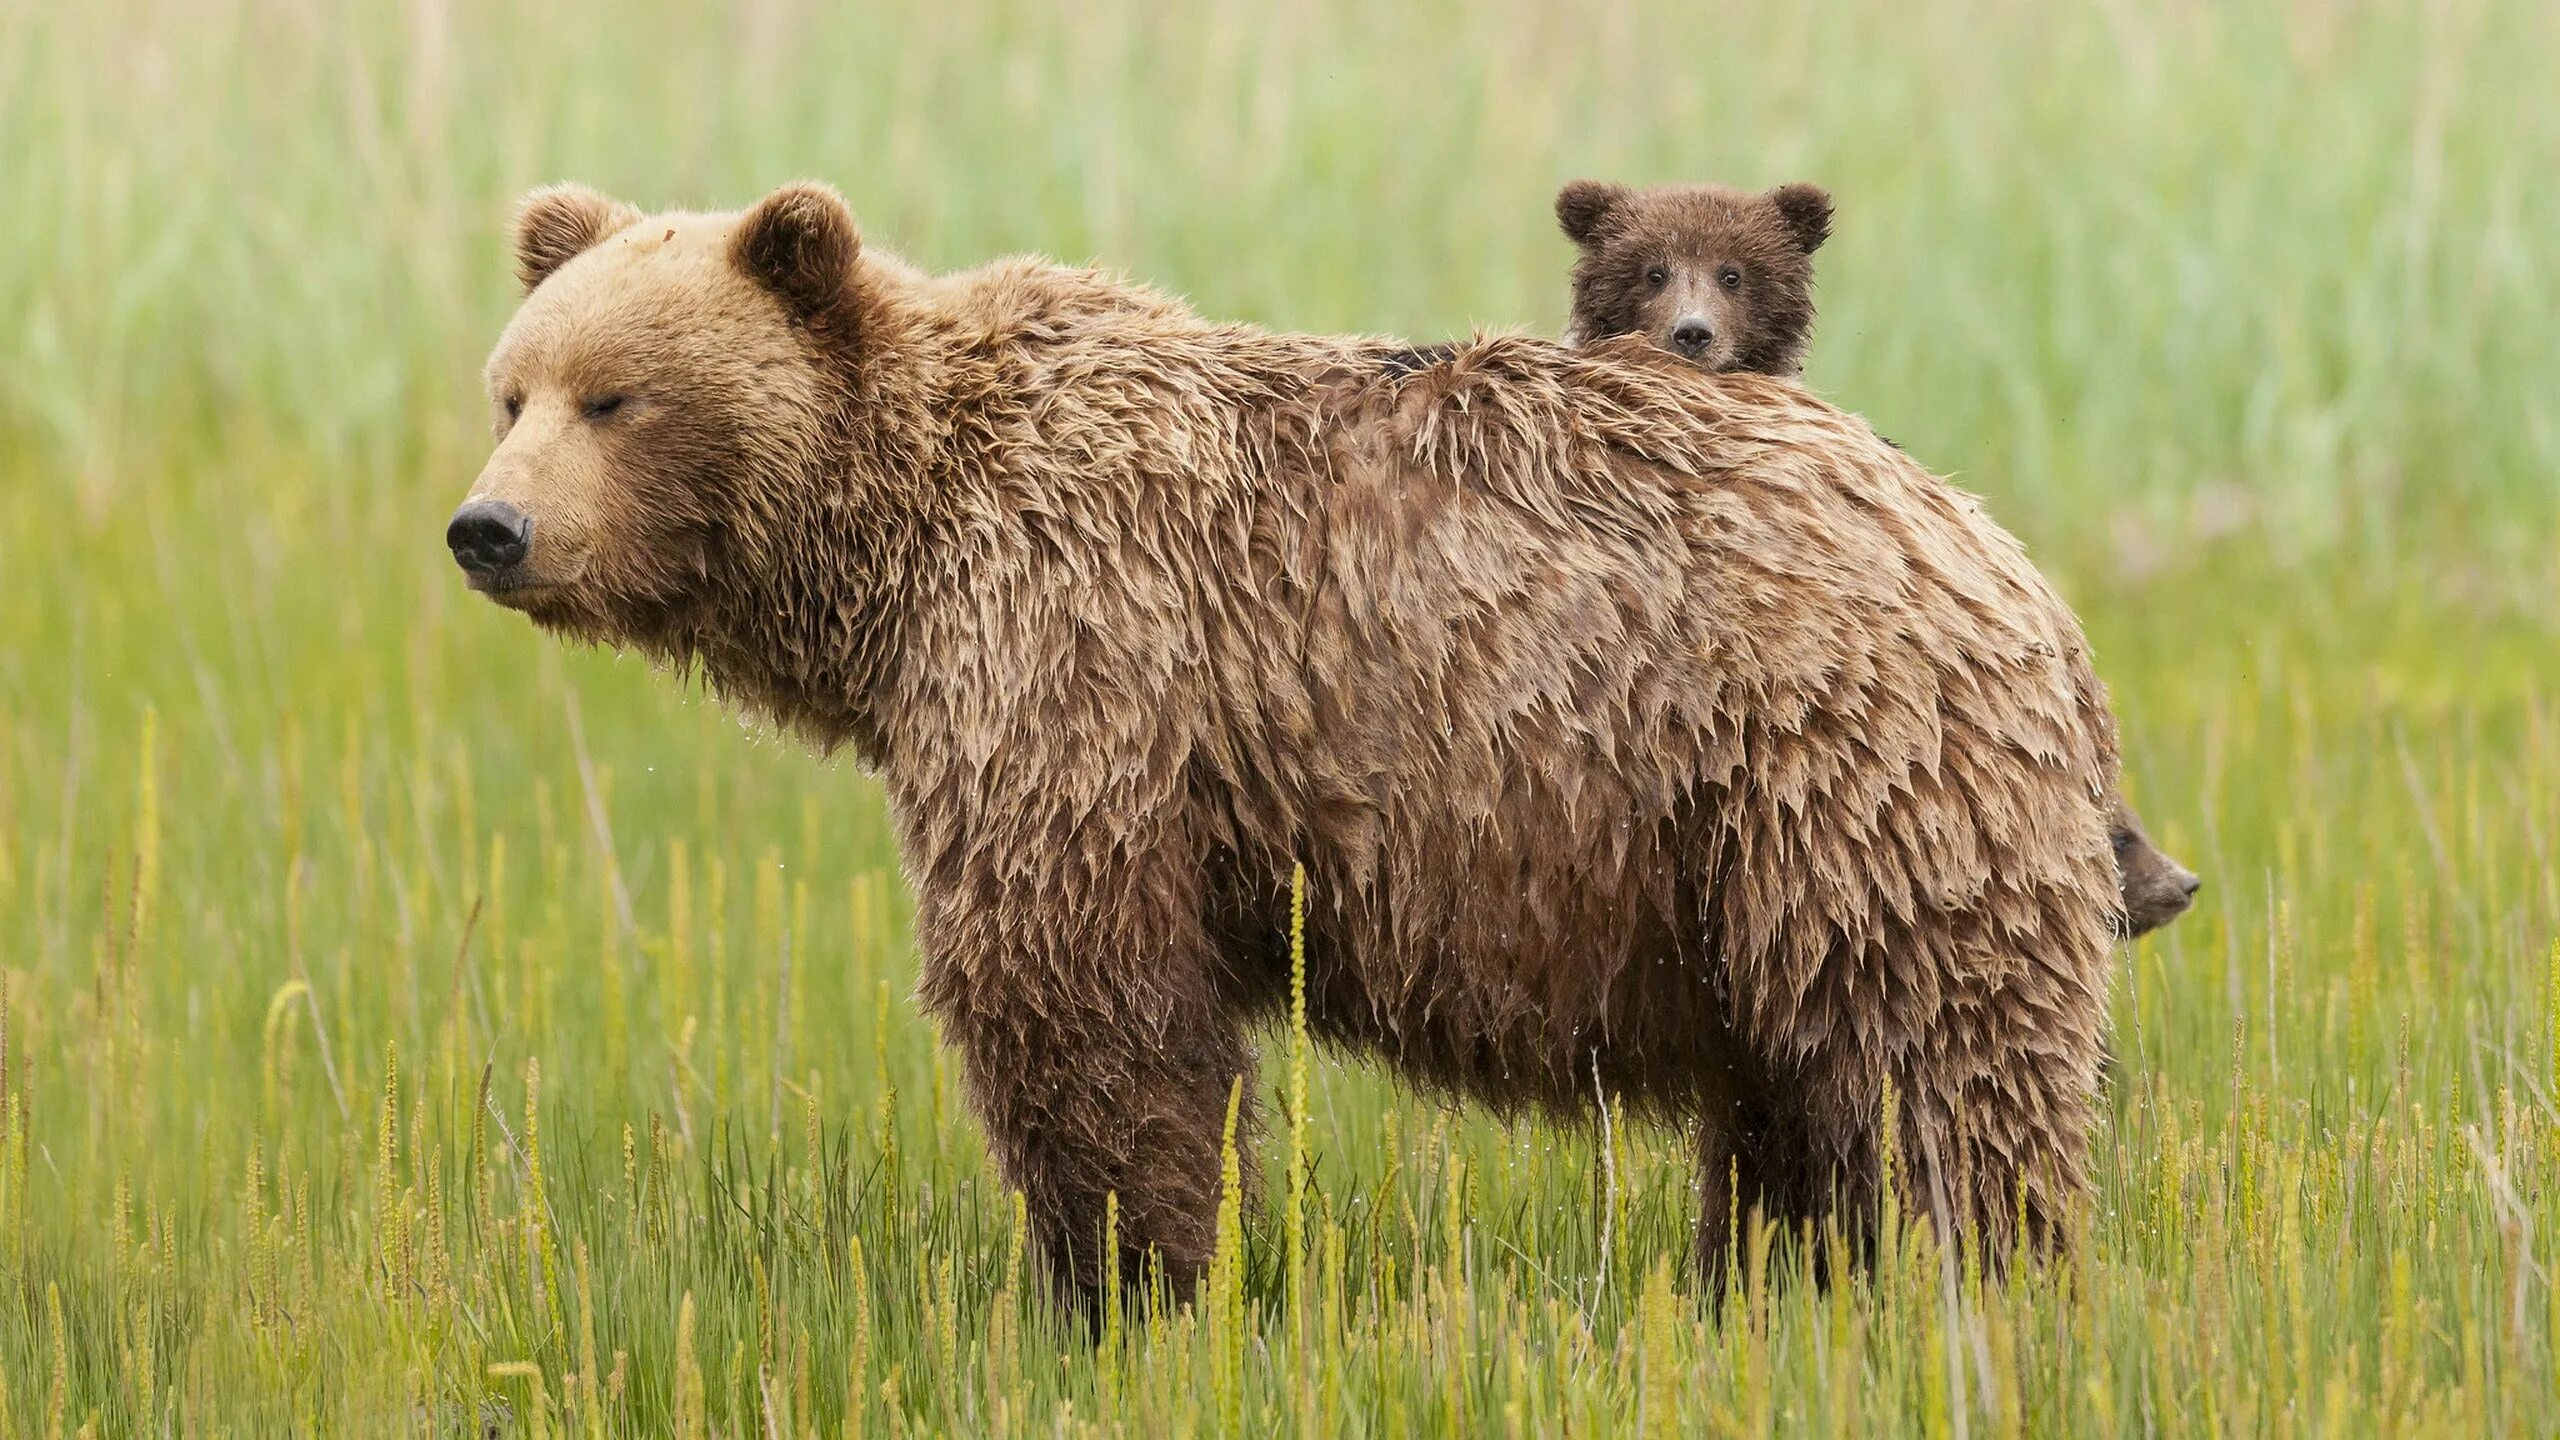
x=408, y=1026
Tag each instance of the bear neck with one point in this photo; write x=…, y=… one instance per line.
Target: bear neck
x=806, y=626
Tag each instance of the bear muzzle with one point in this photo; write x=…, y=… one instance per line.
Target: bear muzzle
x=2160, y=893
x=489, y=538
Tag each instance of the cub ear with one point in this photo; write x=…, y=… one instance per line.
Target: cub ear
x=557, y=223
x=1807, y=211
x=1586, y=208
x=799, y=242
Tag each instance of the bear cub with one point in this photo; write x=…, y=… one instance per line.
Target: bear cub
x=2157, y=889
x=1723, y=278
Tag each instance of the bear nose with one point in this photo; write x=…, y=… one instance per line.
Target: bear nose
x=1692, y=335
x=488, y=536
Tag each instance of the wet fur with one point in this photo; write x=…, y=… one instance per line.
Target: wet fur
x=1640, y=729
x=1689, y=230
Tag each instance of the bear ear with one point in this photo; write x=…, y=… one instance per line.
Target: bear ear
x=1587, y=207
x=1807, y=211
x=799, y=242
x=557, y=223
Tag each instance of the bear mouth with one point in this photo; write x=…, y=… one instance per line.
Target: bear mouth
x=528, y=595
x=519, y=587
x=509, y=587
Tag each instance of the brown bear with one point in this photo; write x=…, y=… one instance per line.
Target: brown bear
x=1723, y=278
x=1643, y=732
x=2156, y=888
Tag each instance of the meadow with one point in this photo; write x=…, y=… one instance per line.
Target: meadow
x=409, y=1026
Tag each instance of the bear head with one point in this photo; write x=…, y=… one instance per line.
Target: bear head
x=661, y=388
x=1719, y=277
x=2157, y=889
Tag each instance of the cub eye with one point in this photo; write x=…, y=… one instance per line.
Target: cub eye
x=1657, y=277
x=1729, y=278
x=598, y=409
x=2122, y=840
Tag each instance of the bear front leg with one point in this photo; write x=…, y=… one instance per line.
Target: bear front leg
x=1996, y=1152
x=1078, y=1113
x=1991, y=1108
x=1099, y=1060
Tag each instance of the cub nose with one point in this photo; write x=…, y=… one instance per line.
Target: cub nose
x=488, y=536
x=2189, y=883
x=1692, y=335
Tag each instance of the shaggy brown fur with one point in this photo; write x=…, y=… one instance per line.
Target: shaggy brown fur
x=1639, y=729
x=1695, y=237
x=1716, y=276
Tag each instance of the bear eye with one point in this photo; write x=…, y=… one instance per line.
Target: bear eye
x=515, y=407
x=1729, y=278
x=601, y=407
x=1657, y=277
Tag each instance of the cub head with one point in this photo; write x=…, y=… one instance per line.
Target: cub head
x=1719, y=277
x=2157, y=889
x=662, y=377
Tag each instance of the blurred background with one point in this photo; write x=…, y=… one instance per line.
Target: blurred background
x=2244, y=317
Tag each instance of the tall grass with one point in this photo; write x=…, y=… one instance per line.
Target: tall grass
x=406, y=1025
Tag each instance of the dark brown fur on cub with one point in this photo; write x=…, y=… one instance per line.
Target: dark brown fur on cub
x=1720, y=277
x=1640, y=730
x=2157, y=889
x=1736, y=269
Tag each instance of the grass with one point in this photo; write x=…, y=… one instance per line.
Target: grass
x=406, y=1025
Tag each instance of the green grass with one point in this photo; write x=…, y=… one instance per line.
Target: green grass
x=408, y=1021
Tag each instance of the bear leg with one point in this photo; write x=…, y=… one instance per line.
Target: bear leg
x=1100, y=1061
x=1988, y=1136
x=1085, y=1129
x=1732, y=1191
x=1996, y=1154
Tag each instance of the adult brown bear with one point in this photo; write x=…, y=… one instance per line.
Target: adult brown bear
x=1640, y=729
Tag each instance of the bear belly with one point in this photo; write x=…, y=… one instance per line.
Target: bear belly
x=1503, y=973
